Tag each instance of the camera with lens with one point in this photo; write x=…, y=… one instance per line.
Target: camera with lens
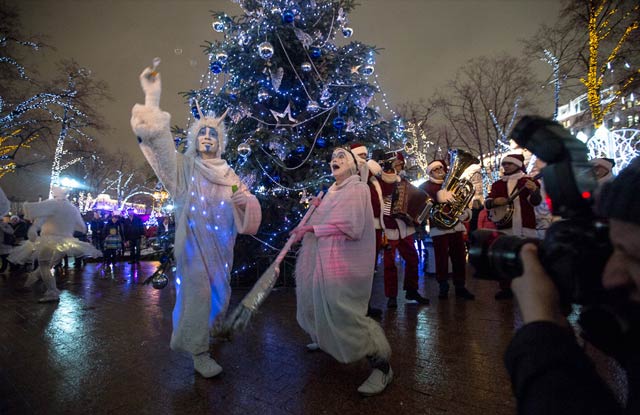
x=576, y=248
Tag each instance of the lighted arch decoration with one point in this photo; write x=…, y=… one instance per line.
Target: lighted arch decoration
x=620, y=145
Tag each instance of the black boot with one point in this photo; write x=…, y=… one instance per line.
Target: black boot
x=414, y=295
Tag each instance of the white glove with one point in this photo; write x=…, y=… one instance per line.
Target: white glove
x=374, y=167
x=152, y=87
x=32, y=234
x=444, y=196
x=239, y=198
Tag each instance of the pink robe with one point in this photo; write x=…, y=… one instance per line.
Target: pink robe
x=334, y=273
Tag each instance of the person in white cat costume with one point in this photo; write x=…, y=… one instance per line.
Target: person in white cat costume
x=334, y=274
x=209, y=215
x=56, y=219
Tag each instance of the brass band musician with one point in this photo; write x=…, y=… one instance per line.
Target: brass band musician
x=523, y=219
x=448, y=242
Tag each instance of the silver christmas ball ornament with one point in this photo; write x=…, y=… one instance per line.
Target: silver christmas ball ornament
x=159, y=281
x=222, y=56
x=265, y=49
x=305, y=66
x=244, y=149
x=347, y=31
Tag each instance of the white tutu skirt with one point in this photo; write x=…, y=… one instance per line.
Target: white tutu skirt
x=29, y=251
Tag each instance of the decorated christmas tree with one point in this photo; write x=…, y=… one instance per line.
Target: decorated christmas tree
x=292, y=96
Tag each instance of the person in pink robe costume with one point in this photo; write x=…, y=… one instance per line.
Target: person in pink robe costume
x=334, y=273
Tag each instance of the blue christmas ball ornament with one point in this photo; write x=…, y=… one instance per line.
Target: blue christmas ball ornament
x=347, y=32
x=216, y=67
x=315, y=52
x=288, y=16
x=321, y=142
x=338, y=123
x=218, y=25
x=366, y=70
x=195, y=113
x=342, y=109
x=301, y=149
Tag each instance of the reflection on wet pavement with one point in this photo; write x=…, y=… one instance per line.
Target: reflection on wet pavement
x=104, y=349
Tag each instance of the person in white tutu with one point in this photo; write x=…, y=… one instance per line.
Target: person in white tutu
x=334, y=274
x=56, y=219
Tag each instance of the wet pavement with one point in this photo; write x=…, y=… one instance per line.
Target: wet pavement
x=105, y=349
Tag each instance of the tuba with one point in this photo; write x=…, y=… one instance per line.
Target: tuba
x=445, y=215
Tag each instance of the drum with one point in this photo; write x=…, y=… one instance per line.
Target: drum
x=410, y=204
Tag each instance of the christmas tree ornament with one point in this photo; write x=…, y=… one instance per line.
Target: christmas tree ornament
x=313, y=106
x=276, y=78
x=321, y=142
x=347, y=31
x=263, y=94
x=281, y=117
x=222, y=56
x=315, y=52
x=338, y=123
x=195, y=112
x=366, y=70
x=343, y=109
x=218, y=25
x=215, y=67
x=303, y=37
x=276, y=10
x=288, y=16
x=159, y=281
x=301, y=149
x=177, y=51
x=305, y=66
x=265, y=50
x=244, y=149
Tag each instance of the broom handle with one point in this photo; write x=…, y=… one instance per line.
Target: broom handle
x=287, y=246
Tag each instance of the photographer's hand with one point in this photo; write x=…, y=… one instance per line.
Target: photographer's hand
x=537, y=296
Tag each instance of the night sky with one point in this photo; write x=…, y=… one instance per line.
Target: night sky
x=423, y=42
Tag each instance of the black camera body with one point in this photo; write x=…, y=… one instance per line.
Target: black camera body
x=576, y=248
x=385, y=159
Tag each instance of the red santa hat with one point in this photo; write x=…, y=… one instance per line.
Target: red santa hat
x=358, y=148
x=436, y=163
x=399, y=156
x=517, y=159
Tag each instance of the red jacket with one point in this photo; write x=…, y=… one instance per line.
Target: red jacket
x=499, y=189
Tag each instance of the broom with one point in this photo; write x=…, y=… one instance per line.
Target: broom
x=239, y=319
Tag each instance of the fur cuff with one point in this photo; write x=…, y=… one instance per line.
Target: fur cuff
x=148, y=122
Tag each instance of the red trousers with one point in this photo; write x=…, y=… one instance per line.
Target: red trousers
x=450, y=245
x=408, y=252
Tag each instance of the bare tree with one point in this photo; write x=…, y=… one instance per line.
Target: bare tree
x=597, y=44
x=479, y=104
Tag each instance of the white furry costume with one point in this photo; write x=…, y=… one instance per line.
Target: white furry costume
x=56, y=219
x=334, y=273
x=207, y=220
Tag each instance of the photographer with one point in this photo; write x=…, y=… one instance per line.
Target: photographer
x=550, y=372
